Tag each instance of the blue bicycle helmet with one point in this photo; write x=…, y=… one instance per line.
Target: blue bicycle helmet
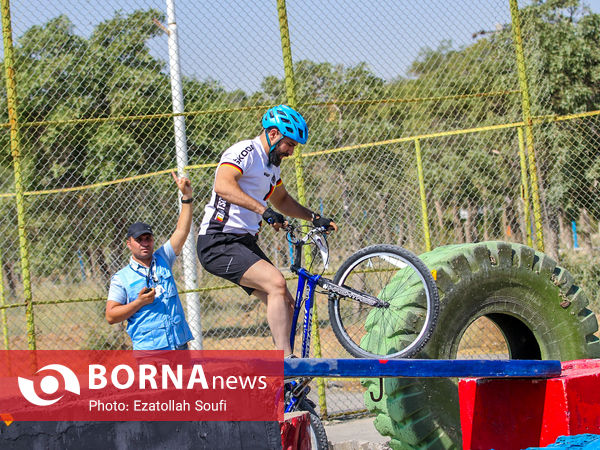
x=289, y=122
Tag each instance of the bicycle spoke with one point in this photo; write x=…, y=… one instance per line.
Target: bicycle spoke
x=397, y=283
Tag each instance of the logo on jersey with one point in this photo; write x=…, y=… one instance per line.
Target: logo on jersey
x=243, y=154
x=221, y=204
x=221, y=208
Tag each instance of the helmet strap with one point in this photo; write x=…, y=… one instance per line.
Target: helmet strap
x=273, y=157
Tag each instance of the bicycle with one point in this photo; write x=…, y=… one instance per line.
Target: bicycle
x=377, y=291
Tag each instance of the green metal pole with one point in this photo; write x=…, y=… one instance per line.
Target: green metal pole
x=290, y=89
x=526, y=104
x=525, y=187
x=423, y=195
x=3, y=310
x=15, y=146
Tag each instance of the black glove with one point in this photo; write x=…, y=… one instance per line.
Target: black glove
x=319, y=221
x=272, y=217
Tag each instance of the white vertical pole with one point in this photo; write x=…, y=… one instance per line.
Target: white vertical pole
x=189, y=251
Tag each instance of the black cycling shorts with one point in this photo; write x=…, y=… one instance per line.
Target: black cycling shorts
x=229, y=255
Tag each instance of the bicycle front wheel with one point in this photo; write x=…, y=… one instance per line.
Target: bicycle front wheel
x=403, y=323
x=318, y=435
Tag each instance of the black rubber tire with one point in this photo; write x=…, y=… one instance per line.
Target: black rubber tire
x=398, y=331
x=534, y=303
x=319, y=436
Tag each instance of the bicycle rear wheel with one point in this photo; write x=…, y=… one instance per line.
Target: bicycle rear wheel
x=400, y=327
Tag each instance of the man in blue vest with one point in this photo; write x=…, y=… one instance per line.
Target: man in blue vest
x=144, y=291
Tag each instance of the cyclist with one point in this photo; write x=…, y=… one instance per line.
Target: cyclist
x=247, y=176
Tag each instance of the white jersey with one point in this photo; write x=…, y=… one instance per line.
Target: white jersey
x=258, y=180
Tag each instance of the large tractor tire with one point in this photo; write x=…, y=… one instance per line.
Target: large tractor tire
x=535, y=304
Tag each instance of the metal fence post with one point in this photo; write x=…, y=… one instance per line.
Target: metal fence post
x=290, y=89
x=423, y=195
x=15, y=146
x=518, y=42
x=3, y=310
x=189, y=250
x=525, y=186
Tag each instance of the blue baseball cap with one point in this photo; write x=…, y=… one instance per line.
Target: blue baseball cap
x=135, y=230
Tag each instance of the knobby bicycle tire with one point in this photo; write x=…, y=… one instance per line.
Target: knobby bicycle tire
x=397, y=277
x=318, y=437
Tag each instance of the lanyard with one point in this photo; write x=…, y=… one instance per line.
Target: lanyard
x=150, y=275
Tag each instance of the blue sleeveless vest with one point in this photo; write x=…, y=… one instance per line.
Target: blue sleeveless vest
x=161, y=325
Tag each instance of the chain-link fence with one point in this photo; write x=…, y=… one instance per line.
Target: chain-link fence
x=430, y=123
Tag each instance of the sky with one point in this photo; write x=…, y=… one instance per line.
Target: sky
x=237, y=42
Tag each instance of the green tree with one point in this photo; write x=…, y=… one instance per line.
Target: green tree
x=566, y=76
x=105, y=79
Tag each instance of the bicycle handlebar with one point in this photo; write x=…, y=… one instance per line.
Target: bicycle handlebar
x=316, y=236
x=291, y=229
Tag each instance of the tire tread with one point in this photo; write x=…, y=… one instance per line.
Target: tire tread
x=569, y=328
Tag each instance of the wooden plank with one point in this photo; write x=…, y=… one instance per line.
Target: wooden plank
x=416, y=368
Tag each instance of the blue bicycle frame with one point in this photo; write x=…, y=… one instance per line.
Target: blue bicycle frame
x=305, y=278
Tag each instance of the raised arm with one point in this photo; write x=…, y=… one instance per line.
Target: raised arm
x=184, y=223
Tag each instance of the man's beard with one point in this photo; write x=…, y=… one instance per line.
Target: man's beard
x=275, y=158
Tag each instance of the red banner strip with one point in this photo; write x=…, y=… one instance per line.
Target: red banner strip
x=80, y=385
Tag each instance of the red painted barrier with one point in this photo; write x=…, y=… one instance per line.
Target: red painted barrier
x=295, y=431
x=516, y=413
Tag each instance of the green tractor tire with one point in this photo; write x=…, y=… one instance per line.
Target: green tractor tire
x=535, y=304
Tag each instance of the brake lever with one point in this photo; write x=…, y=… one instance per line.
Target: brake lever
x=290, y=230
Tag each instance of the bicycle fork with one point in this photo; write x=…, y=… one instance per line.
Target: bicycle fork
x=304, y=278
